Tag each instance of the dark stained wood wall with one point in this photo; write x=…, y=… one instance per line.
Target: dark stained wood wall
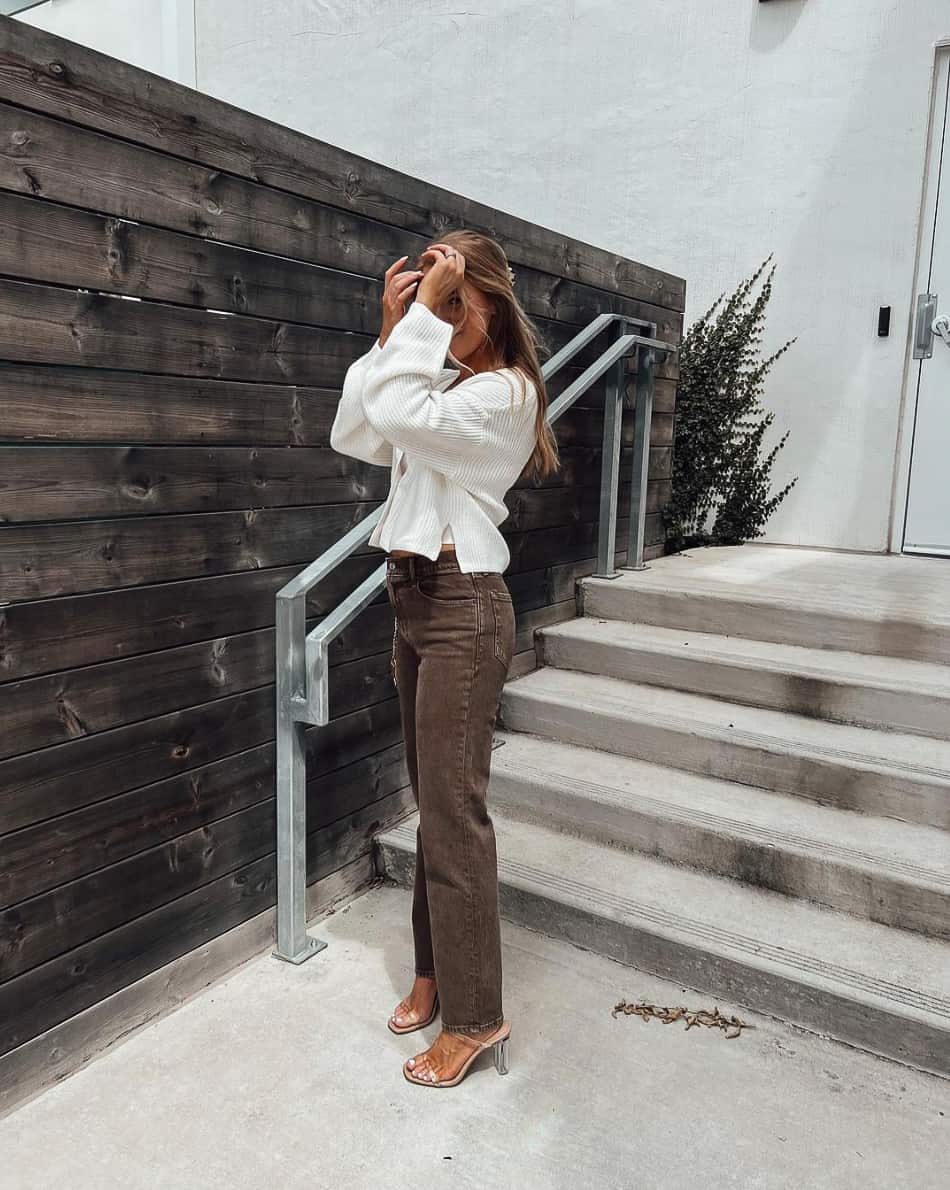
x=165, y=468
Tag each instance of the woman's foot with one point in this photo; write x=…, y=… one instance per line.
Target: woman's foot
x=444, y=1057
x=417, y=1006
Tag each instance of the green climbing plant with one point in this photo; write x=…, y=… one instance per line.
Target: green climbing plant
x=719, y=469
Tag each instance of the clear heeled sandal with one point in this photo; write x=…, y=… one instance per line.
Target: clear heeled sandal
x=497, y=1041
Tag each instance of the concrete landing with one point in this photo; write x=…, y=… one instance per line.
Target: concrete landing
x=287, y=1077
x=888, y=604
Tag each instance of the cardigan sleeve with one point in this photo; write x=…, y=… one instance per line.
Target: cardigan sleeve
x=351, y=434
x=449, y=431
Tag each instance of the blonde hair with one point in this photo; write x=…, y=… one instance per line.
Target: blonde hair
x=511, y=336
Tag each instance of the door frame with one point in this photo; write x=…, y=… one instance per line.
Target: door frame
x=911, y=378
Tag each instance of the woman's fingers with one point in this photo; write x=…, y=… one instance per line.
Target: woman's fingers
x=405, y=283
x=397, y=289
x=394, y=266
x=404, y=280
x=447, y=271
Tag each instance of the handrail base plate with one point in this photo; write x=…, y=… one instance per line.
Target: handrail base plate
x=314, y=945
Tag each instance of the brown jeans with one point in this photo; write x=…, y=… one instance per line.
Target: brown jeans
x=453, y=641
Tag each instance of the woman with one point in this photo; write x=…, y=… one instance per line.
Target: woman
x=456, y=439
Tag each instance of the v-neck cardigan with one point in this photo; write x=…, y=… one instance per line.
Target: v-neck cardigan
x=453, y=455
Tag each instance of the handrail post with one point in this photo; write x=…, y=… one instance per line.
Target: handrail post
x=294, y=944
x=610, y=462
x=642, y=428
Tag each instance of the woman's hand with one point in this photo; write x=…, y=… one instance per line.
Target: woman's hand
x=444, y=277
x=397, y=290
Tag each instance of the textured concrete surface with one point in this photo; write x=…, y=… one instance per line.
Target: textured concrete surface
x=888, y=604
x=861, y=982
x=288, y=1077
x=861, y=688
x=897, y=873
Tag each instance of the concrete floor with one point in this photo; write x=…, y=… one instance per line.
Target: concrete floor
x=288, y=1077
x=888, y=585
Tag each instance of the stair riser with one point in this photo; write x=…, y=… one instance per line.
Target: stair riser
x=866, y=1025
x=744, y=682
x=827, y=780
x=700, y=612
x=877, y=896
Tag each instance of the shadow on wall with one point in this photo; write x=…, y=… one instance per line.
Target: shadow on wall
x=772, y=22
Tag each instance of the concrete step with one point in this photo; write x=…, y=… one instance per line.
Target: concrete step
x=889, y=774
x=860, y=688
x=824, y=604
x=881, y=989
x=890, y=872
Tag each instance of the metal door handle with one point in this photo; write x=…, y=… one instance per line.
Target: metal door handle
x=941, y=327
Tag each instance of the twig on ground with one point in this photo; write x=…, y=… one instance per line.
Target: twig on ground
x=730, y=1025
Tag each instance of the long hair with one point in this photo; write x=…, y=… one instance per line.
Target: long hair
x=511, y=336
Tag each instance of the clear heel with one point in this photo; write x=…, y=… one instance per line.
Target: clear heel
x=500, y=1053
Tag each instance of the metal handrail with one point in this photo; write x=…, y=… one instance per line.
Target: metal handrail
x=302, y=670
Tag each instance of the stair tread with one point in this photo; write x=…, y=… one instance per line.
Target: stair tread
x=822, y=948
x=884, y=588
x=922, y=757
x=907, y=851
x=840, y=665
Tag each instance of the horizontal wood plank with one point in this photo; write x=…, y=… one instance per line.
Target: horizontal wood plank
x=47, y=404
x=42, y=483
x=60, y=245
x=51, y=781
x=74, y=703
x=33, y=930
x=60, y=558
x=46, y=635
x=49, y=635
x=41, y=324
x=49, y=242
x=52, y=854
x=60, y=483
x=81, y=976
x=50, y=74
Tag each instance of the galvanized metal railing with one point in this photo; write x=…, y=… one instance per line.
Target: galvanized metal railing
x=302, y=686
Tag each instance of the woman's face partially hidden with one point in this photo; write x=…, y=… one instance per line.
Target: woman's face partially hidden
x=468, y=344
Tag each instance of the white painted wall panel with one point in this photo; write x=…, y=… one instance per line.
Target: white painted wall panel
x=697, y=137
x=158, y=35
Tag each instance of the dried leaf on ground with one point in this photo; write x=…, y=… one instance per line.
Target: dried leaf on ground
x=730, y=1025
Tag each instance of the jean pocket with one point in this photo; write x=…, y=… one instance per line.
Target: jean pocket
x=447, y=587
x=503, y=615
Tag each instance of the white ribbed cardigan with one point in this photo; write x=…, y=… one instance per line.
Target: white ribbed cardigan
x=453, y=455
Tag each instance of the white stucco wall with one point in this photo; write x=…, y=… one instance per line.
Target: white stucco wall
x=695, y=137
x=158, y=35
